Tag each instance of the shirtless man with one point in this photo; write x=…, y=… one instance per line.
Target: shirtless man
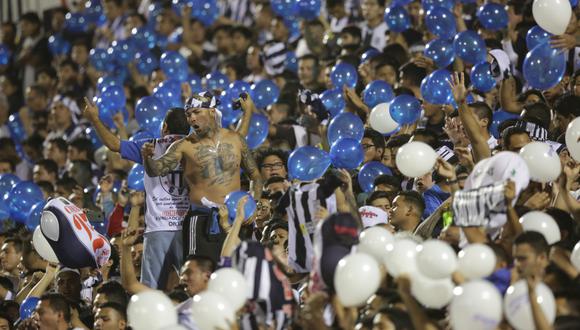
x=211, y=157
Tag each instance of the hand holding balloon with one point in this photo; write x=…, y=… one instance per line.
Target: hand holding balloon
x=564, y=41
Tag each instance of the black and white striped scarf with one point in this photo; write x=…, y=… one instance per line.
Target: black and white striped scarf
x=536, y=132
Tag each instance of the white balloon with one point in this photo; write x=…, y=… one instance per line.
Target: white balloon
x=517, y=307
x=542, y=160
x=476, y=305
x=211, y=310
x=373, y=241
x=356, y=279
x=436, y=259
x=381, y=120
x=572, y=136
x=400, y=257
x=575, y=256
x=542, y=223
x=431, y=293
x=151, y=309
x=174, y=327
x=552, y=15
x=415, y=159
x=476, y=261
x=231, y=284
x=42, y=246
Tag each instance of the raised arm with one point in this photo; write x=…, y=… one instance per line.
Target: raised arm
x=468, y=118
x=508, y=96
x=128, y=276
x=251, y=168
x=248, y=108
x=109, y=139
x=164, y=164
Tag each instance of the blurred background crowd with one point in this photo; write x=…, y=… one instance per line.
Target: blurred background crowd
x=419, y=159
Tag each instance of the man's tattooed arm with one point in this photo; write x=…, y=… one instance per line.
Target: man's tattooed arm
x=249, y=166
x=166, y=163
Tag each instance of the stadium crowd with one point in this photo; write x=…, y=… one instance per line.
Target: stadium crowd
x=291, y=164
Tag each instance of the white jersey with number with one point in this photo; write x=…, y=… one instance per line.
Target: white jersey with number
x=167, y=197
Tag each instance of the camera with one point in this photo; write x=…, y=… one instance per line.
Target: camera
x=237, y=104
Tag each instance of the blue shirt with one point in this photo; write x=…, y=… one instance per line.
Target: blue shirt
x=131, y=150
x=433, y=197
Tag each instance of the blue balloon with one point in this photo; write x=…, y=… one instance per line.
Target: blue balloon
x=135, y=178
x=231, y=202
x=405, y=109
x=544, y=67
x=57, y=45
x=21, y=199
x=7, y=182
x=154, y=10
x=284, y=8
x=216, y=80
x=206, y=11
x=76, y=23
x=195, y=83
x=291, y=62
x=308, y=163
x=149, y=113
x=493, y=16
x=441, y=52
x=573, y=3
x=122, y=52
x=145, y=62
x=345, y=125
x=100, y=226
x=397, y=18
x=430, y=4
x=4, y=54
x=441, y=22
x=347, y=153
x=368, y=174
x=4, y=211
x=143, y=38
x=16, y=128
x=108, y=80
x=258, y=131
x=28, y=307
x=91, y=134
x=376, y=92
x=535, y=36
x=333, y=101
x=470, y=47
x=114, y=95
x=481, y=77
x=400, y=2
x=101, y=60
x=174, y=65
x=369, y=55
x=499, y=117
x=141, y=135
x=169, y=92
x=238, y=87
x=435, y=87
x=33, y=218
x=229, y=115
x=309, y=9
x=94, y=13
x=344, y=74
x=265, y=93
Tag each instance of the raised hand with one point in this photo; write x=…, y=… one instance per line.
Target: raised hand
x=458, y=88
x=91, y=112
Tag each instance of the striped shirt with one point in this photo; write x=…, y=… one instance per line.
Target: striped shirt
x=301, y=203
x=239, y=11
x=274, y=57
x=270, y=294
